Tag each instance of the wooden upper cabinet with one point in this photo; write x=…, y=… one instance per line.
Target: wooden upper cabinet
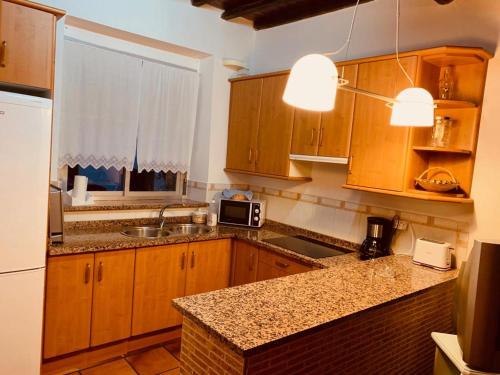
x=378, y=150
x=335, y=128
x=208, y=266
x=112, y=296
x=245, y=261
x=26, y=46
x=68, y=304
x=327, y=133
x=243, y=124
x=275, y=128
x=160, y=275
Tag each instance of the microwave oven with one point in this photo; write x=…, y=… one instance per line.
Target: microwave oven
x=244, y=213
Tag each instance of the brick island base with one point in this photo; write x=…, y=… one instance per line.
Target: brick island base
x=393, y=338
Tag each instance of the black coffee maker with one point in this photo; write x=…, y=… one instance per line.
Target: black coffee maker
x=379, y=234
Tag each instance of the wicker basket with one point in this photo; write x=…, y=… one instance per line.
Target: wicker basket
x=436, y=185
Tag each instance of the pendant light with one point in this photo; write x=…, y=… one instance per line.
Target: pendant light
x=313, y=82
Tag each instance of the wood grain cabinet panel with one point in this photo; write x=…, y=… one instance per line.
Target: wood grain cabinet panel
x=209, y=265
x=272, y=265
x=275, y=128
x=306, y=128
x=243, y=124
x=378, y=150
x=245, y=262
x=26, y=46
x=160, y=276
x=68, y=304
x=112, y=296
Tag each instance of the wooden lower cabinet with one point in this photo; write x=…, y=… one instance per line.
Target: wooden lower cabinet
x=68, y=304
x=160, y=276
x=272, y=265
x=209, y=265
x=112, y=297
x=245, y=258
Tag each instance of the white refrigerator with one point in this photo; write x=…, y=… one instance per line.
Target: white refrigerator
x=25, y=133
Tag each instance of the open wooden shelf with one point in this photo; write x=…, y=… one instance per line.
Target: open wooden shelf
x=454, y=104
x=417, y=194
x=289, y=178
x=446, y=59
x=448, y=150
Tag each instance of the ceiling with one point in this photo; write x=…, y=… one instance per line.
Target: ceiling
x=270, y=13
x=264, y=14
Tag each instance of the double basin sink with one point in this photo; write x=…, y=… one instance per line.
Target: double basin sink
x=155, y=231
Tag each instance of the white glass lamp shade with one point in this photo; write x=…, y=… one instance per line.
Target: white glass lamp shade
x=413, y=107
x=312, y=84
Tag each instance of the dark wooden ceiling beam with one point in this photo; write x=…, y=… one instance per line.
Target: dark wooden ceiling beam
x=199, y=3
x=250, y=8
x=299, y=11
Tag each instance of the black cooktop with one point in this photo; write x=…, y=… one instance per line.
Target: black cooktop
x=307, y=246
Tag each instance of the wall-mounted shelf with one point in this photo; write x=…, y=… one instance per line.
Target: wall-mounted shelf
x=448, y=150
x=288, y=178
x=319, y=159
x=442, y=104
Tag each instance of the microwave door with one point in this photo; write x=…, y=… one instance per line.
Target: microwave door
x=237, y=213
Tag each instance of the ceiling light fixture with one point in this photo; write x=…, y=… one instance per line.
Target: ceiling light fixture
x=313, y=83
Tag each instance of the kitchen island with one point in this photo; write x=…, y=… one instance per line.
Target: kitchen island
x=351, y=318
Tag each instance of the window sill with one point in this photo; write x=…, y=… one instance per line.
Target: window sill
x=137, y=204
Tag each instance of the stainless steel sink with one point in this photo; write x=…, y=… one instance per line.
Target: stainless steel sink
x=147, y=231
x=186, y=229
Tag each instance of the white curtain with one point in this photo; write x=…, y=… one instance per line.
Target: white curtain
x=99, y=116
x=167, y=117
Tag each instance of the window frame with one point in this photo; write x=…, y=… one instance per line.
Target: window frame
x=126, y=194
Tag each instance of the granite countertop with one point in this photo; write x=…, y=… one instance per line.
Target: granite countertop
x=252, y=316
x=137, y=205
x=98, y=236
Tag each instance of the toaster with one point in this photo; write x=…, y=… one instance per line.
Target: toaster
x=432, y=253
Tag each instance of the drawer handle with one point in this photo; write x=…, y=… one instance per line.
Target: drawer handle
x=99, y=272
x=192, y=259
x=281, y=264
x=86, y=276
x=250, y=155
x=3, y=54
x=183, y=260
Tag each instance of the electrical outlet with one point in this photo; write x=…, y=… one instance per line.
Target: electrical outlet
x=401, y=225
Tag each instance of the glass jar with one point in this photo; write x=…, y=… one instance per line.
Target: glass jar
x=441, y=131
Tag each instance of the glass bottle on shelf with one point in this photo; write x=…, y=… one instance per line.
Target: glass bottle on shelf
x=441, y=131
x=446, y=84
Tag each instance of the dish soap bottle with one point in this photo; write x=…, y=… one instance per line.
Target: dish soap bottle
x=212, y=214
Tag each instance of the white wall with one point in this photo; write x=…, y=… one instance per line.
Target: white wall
x=424, y=24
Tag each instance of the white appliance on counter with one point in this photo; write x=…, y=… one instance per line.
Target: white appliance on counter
x=432, y=253
x=25, y=133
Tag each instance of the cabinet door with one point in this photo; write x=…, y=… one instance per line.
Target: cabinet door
x=306, y=128
x=208, y=266
x=27, y=45
x=68, y=304
x=160, y=276
x=378, y=150
x=245, y=258
x=275, y=128
x=112, y=297
x=336, y=125
x=243, y=123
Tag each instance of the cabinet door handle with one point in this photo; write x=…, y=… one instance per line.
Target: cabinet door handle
x=256, y=154
x=3, y=54
x=99, y=272
x=192, y=259
x=86, y=275
x=281, y=264
x=250, y=155
x=349, y=167
x=183, y=260
x=321, y=130
x=313, y=131
x=251, y=263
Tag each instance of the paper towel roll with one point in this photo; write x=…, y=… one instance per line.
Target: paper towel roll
x=80, y=187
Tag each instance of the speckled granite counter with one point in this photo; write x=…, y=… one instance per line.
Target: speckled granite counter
x=137, y=205
x=253, y=315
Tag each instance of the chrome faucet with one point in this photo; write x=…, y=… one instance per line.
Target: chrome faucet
x=161, y=218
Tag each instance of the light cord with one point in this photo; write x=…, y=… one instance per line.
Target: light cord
x=397, y=45
x=347, y=43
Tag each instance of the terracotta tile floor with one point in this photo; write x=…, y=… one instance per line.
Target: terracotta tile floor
x=162, y=360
